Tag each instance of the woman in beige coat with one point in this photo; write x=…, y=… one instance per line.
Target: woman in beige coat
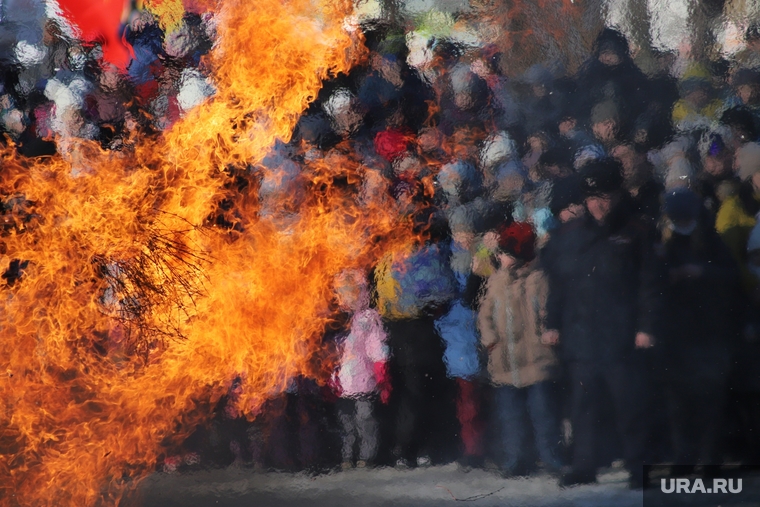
x=520, y=366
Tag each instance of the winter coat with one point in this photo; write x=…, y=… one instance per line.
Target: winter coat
x=734, y=222
x=656, y=120
x=458, y=329
x=687, y=116
x=361, y=348
x=706, y=309
x=624, y=84
x=604, y=286
x=415, y=281
x=647, y=201
x=510, y=323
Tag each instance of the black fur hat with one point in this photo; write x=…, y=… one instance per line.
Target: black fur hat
x=601, y=177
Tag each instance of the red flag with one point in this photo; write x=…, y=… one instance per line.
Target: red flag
x=100, y=20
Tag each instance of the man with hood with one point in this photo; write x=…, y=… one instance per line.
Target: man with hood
x=611, y=75
x=604, y=287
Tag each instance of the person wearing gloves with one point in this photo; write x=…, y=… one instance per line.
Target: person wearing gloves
x=360, y=375
x=520, y=367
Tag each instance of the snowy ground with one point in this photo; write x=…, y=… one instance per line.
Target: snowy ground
x=422, y=487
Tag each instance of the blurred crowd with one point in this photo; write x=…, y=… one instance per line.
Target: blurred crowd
x=582, y=284
x=63, y=89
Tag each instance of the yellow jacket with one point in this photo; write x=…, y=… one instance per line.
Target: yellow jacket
x=734, y=225
x=683, y=111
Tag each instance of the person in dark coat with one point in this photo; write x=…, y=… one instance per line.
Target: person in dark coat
x=541, y=105
x=611, y=75
x=414, y=287
x=653, y=128
x=604, y=288
x=639, y=181
x=699, y=325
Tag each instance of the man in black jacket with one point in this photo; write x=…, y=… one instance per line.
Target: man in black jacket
x=604, y=289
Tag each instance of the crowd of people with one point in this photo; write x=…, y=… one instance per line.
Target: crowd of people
x=63, y=89
x=582, y=283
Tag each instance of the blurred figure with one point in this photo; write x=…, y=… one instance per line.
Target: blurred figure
x=458, y=328
x=749, y=57
x=717, y=159
x=361, y=372
x=540, y=107
x=605, y=123
x=567, y=199
x=746, y=85
x=742, y=124
x=464, y=99
x=611, y=75
x=415, y=284
x=740, y=204
x=639, y=181
x=698, y=105
x=602, y=306
x=700, y=320
x=653, y=128
x=519, y=366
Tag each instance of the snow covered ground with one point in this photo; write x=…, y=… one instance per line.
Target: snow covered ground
x=421, y=487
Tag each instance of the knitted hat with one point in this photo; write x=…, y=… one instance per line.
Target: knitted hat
x=391, y=144
x=603, y=111
x=518, y=240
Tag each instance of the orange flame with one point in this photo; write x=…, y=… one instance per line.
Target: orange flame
x=135, y=312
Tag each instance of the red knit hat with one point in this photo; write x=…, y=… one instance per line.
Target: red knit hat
x=391, y=144
x=518, y=239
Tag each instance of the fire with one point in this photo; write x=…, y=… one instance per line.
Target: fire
x=137, y=309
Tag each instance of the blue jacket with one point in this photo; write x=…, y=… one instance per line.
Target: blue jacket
x=458, y=328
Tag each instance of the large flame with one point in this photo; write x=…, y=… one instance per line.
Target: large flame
x=136, y=312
